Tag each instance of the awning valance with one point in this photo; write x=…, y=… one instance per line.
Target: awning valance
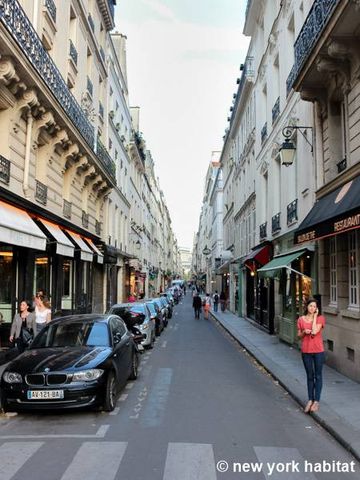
x=275, y=265
x=63, y=245
x=85, y=252
x=99, y=255
x=336, y=212
x=17, y=228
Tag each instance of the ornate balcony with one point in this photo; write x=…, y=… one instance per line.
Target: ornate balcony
x=98, y=227
x=91, y=23
x=263, y=233
x=101, y=110
x=105, y=159
x=247, y=74
x=341, y=166
x=275, y=223
x=16, y=22
x=292, y=215
x=73, y=53
x=311, y=31
x=89, y=86
x=264, y=133
x=85, y=219
x=67, y=209
x=51, y=7
x=102, y=53
x=139, y=142
x=4, y=170
x=276, y=110
x=41, y=191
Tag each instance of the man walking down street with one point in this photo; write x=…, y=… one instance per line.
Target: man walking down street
x=216, y=301
x=197, y=305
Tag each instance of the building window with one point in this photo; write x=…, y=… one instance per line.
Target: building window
x=333, y=273
x=353, y=271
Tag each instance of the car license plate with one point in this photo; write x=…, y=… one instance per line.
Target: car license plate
x=45, y=394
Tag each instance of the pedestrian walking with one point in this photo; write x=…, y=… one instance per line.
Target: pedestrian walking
x=197, y=305
x=42, y=312
x=223, y=300
x=23, y=326
x=216, y=301
x=131, y=298
x=207, y=305
x=309, y=328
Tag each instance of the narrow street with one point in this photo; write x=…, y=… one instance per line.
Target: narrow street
x=199, y=400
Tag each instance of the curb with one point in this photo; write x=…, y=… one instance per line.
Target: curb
x=318, y=418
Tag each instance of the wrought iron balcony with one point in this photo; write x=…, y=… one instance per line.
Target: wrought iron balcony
x=275, y=223
x=51, y=8
x=85, y=219
x=91, y=23
x=89, y=86
x=247, y=73
x=102, y=53
x=97, y=227
x=105, y=159
x=341, y=166
x=101, y=110
x=311, y=31
x=276, y=110
x=41, y=191
x=67, y=209
x=139, y=142
x=4, y=170
x=292, y=214
x=263, y=233
x=20, y=28
x=73, y=53
x=264, y=133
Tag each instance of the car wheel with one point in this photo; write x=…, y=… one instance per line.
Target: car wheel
x=110, y=394
x=134, y=367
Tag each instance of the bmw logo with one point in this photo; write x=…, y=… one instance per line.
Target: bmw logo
x=47, y=370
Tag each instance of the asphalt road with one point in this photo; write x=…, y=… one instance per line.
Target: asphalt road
x=200, y=403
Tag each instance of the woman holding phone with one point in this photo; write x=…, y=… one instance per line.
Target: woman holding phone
x=309, y=328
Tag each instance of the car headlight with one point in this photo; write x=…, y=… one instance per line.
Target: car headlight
x=144, y=326
x=87, y=375
x=12, y=377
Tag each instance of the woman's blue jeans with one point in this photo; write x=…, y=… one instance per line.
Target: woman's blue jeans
x=313, y=363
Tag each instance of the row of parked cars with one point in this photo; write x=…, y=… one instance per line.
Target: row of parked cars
x=84, y=360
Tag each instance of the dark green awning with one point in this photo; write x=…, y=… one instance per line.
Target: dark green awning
x=274, y=267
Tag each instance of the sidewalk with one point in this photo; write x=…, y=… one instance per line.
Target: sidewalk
x=340, y=400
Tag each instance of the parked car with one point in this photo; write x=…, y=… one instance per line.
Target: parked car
x=163, y=309
x=165, y=301
x=137, y=314
x=75, y=361
x=170, y=297
x=157, y=316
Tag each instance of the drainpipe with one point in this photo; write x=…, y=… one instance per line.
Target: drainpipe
x=29, y=124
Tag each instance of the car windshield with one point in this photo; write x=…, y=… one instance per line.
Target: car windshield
x=151, y=308
x=73, y=334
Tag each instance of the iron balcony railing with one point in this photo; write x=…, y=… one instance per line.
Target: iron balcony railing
x=97, y=227
x=276, y=110
x=73, y=52
x=105, y=159
x=247, y=73
x=102, y=53
x=4, y=170
x=41, y=192
x=275, y=223
x=341, y=166
x=263, y=233
x=89, y=86
x=101, y=110
x=139, y=144
x=292, y=213
x=85, y=219
x=19, y=26
x=67, y=209
x=314, y=25
x=264, y=133
x=51, y=8
x=91, y=22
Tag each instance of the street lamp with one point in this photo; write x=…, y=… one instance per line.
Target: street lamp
x=206, y=251
x=288, y=149
x=138, y=245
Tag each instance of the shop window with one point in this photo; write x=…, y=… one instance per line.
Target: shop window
x=66, y=301
x=353, y=270
x=6, y=268
x=41, y=274
x=333, y=272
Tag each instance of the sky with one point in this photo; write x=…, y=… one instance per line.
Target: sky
x=183, y=59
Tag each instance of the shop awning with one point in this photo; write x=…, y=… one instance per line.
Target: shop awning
x=275, y=265
x=17, y=228
x=99, y=255
x=336, y=212
x=260, y=255
x=63, y=245
x=85, y=252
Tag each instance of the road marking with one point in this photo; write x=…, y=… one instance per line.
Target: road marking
x=129, y=386
x=99, y=434
x=273, y=456
x=189, y=460
x=123, y=397
x=155, y=406
x=86, y=464
x=164, y=344
x=115, y=411
x=13, y=455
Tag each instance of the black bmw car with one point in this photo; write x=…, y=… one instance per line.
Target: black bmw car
x=75, y=361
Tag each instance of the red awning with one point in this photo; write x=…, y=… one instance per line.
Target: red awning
x=261, y=255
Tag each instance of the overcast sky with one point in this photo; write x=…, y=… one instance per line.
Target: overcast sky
x=183, y=58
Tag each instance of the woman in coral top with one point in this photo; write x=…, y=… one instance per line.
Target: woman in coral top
x=309, y=328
